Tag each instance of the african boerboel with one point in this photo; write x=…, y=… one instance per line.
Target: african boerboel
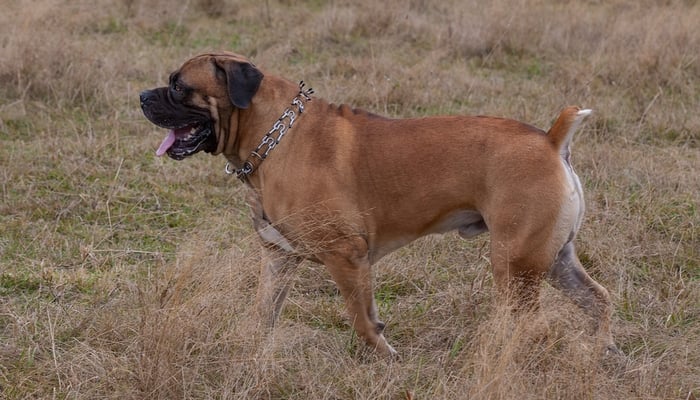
x=344, y=187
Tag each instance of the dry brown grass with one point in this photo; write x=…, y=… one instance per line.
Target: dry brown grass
x=126, y=276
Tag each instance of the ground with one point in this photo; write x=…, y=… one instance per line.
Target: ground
x=124, y=275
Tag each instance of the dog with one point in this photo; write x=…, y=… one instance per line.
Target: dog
x=344, y=187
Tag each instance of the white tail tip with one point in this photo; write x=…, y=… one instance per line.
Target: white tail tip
x=584, y=113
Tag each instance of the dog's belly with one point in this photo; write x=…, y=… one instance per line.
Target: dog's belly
x=467, y=223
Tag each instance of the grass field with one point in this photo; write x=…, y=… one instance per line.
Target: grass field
x=126, y=276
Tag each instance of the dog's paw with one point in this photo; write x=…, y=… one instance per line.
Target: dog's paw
x=614, y=360
x=385, y=349
x=612, y=350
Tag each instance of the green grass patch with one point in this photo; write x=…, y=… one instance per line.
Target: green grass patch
x=170, y=34
x=16, y=284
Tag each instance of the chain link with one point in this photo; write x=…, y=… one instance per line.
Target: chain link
x=269, y=141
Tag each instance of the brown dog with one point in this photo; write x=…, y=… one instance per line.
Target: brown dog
x=344, y=187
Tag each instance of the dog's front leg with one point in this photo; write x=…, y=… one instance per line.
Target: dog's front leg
x=278, y=261
x=276, y=278
x=350, y=268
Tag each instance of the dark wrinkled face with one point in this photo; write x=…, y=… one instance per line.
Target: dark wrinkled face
x=197, y=102
x=190, y=127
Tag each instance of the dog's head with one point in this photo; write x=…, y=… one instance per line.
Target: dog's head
x=197, y=104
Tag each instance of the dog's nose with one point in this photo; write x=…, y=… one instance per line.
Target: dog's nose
x=145, y=97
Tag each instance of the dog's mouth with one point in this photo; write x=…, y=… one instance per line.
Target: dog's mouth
x=187, y=140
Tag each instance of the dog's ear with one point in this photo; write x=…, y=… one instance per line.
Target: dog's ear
x=242, y=80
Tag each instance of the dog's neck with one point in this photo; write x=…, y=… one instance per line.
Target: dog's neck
x=253, y=142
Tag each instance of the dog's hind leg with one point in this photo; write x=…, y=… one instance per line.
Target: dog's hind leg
x=517, y=276
x=567, y=274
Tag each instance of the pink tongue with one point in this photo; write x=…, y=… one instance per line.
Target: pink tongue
x=167, y=142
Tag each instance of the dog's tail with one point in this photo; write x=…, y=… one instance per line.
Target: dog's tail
x=565, y=126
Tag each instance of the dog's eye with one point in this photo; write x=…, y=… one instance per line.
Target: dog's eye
x=177, y=87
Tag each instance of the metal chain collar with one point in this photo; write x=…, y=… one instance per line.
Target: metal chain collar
x=269, y=141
